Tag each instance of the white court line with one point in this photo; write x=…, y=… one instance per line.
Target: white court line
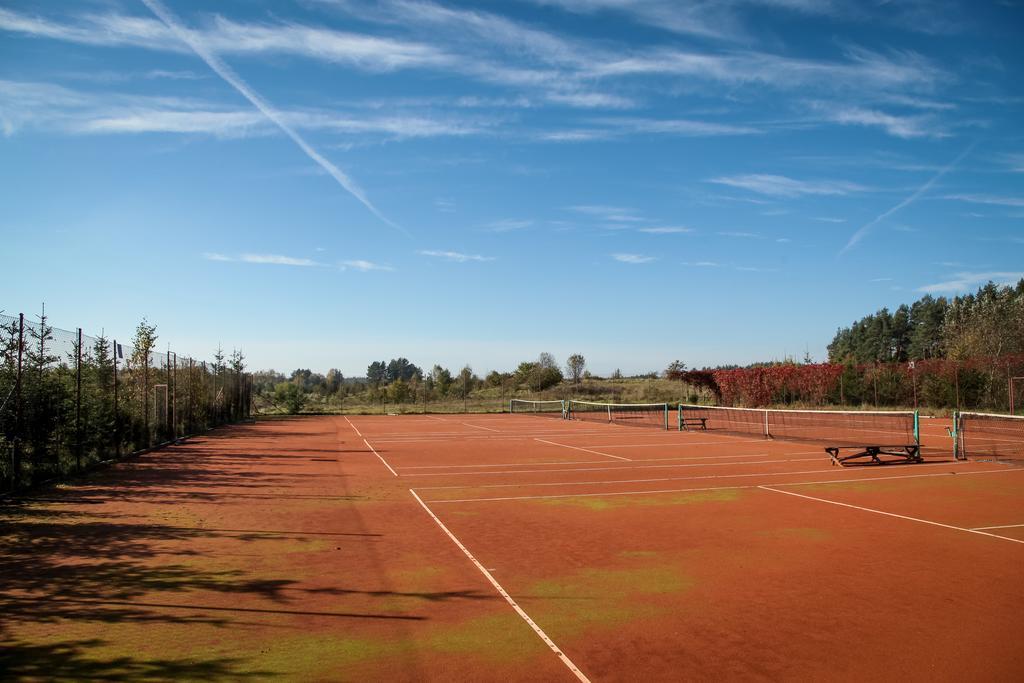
x=503, y=593
x=889, y=514
x=604, y=469
x=675, y=443
x=624, y=481
x=426, y=437
x=503, y=464
x=381, y=459
x=594, y=462
x=480, y=427
x=723, y=488
x=1004, y=526
x=358, y=433
x=585, y=450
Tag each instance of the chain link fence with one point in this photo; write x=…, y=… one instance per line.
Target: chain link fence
x=70, y=401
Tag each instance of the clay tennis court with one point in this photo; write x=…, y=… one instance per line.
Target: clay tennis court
x=516, y=547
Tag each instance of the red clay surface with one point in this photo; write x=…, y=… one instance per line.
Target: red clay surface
x=299, y=549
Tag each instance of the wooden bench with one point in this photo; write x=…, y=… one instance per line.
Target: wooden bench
x=693, y=422
x=911, y=453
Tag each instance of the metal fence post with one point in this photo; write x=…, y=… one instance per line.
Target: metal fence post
x=174, y=397
x=78, y=402
x=16, y=451
x=117, y=412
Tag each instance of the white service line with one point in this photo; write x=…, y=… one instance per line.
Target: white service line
x=676, y=443
x=503, y=593
x=596, y=462
x=605, y=469
x=723, y=488
x=480, y=427
x=381, y=459
x=889, y=514
x=358, y=433
x=585, y=450
x=504, y=464
x=1004, y=526
x=624, y=481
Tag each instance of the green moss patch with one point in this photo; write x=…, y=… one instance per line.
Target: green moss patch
x=603, y=598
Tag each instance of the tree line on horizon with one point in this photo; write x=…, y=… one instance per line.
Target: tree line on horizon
x=985, y=324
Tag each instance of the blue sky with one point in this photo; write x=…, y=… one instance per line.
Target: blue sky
x=327, y=182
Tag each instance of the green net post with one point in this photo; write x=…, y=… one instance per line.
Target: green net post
x=917, y=428
x=666, y=417
x=679, y=416
x=957, y=454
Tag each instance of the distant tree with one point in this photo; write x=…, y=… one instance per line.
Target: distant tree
x=441, y=379
x=376, y=373
x=675, y=370
x=541, y=374
x=333, y=382
x=616, y=374
x=399, y=391
x=401, y=369
x=574, y=366
x=143, y=345
x=290, y=397
x=467, y=380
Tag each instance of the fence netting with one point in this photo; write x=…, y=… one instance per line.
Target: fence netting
x=69, y=401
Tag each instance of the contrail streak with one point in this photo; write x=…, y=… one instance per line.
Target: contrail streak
x=235, y=81
x=857, y=236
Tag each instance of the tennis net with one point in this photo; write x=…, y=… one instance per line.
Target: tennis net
x=541, y=408
x=989, y=436
x=831, y=427
x=632, y=414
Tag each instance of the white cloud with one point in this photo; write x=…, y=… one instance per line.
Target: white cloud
x=578, y=135
x=898, y=126
x=611, y=214
x=455, y=256
x=987, y=199
x=211, y=256
x=666, y=230
x=1014, y=161
x=782, y=186
x=827, y=219
x=53, y=107
x=226, y=37
x=632, y=258
x=219, y=124
x=508, y=225
x=861, y=70
x=702, y=264
x=445, y=205
x=679, y=127
x=591, y=100
x=736, y=233
x=364, y=266
x=963, y=282
x=278, y=260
